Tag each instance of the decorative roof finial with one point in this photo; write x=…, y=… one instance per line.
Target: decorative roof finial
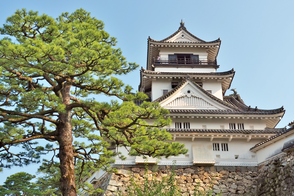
x=181, y=23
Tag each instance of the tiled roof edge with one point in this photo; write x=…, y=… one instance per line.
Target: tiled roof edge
x=243, y=131
x=284, y=131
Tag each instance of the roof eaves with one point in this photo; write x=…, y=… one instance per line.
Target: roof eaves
x=269, y=140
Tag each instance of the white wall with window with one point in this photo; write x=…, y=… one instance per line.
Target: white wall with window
x=219, y=152
x=158, y=87
x=215, y=87
x=164, y=52
x=196, y=123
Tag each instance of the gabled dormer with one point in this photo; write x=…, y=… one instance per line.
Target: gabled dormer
x=182, y=51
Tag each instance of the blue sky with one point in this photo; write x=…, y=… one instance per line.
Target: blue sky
x=257, y=40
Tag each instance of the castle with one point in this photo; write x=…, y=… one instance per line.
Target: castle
x=181, y=74
x=217, y=129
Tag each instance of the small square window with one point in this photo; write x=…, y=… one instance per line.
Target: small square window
x=165, y=91
x=174, y=84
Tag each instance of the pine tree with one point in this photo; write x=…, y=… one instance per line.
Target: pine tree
x=55, y=74
x=20, y=184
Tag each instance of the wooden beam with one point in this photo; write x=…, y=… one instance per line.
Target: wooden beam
x=249, y=138
x=230, y=138
x=212, y=137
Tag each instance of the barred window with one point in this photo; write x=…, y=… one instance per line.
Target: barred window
x=178, y=125
x=241, y=126
x=186, y=125
x=232, y=126
x=216, y=147
x=224, y=146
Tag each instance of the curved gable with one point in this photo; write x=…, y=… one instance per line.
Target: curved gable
x=191, y=101
x=190, y=96
x=184, y=36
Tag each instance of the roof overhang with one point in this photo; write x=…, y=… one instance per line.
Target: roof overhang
x=272, y=140
x=229, y=136
x=271, y=120
x=225, y=78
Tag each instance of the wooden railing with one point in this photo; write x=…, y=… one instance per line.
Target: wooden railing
x=185, y=61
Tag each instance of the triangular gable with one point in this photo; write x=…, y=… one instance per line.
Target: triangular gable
x=183, y=36
x=190, y=96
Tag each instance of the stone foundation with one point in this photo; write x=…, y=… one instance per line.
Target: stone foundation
x=229, y=181
x=274, y=177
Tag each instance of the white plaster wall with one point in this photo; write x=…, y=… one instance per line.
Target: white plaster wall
x=272, y=149
x=185, y=69
x=158, y=86
x=235, y=147
x=164, y=52
x=124, y=152
x=215, y=87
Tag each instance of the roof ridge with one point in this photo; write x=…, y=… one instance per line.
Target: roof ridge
x=183, y=28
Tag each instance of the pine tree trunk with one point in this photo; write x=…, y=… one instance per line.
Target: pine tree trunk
x=66, y=155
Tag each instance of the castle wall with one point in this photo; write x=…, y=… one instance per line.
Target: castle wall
x=272, y=178
x=272, y=149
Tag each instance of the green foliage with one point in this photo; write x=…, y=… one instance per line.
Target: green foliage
x=49, y=178
x=53, y=75
x=20, y=184
x=152, y=186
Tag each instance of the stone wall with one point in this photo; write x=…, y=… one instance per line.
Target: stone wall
x=229, y=181
x=276, y=175
x=273, y=177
